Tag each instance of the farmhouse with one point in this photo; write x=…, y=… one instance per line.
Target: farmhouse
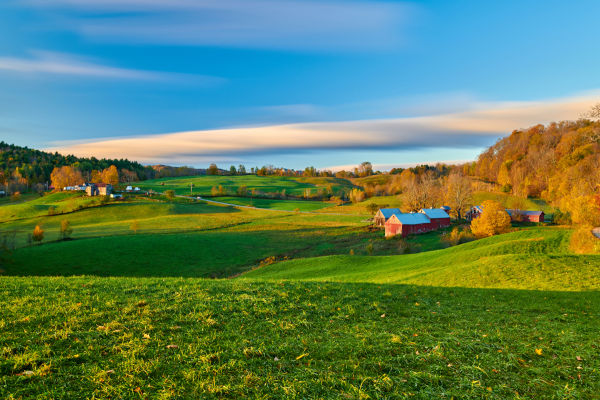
x=383, y=214
x=473, y=213
x=407, y=223
x=527, y=216
x=98, y=189
x=439, y=217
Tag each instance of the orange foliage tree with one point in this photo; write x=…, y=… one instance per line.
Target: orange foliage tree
x=65, y=176
x=493, y=220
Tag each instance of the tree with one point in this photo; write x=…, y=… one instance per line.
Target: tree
x=65, y=229
x=110, y=175
x=357, y=195
x=170, y=194
x=493, y=220
x=241, y=170
x=135, y=226
x=594, y=112
x=458, y=193
x=212, y=169
x=38, y=234
x=65, y=176
x=232, y=170
x=364, y=169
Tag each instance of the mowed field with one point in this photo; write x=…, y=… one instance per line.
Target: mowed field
x=202, y=185
x=125, y=309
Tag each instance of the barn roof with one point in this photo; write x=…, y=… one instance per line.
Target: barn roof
x=522, y=212
x=388, y=212
x=435, y=213
x=412, y=218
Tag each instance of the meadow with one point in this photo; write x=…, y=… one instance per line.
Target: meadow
x=308, y=305
x=202, y=185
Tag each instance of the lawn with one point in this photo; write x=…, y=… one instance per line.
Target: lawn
x=202, y=185
x=167, y=338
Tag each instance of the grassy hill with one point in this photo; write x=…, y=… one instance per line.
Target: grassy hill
x=536, y=258
x=167, y=338
x=267, y=184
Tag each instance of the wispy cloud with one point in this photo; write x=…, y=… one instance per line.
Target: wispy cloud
x=46, y=62
x=283, y=24
x=474, y=128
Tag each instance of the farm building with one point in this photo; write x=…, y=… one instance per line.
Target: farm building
x=439, y=218
x=383, y=214
x=407, y=224
x=473, y=213
x=527, y=216
x=98, y=189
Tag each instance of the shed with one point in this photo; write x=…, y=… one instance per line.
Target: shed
x=407, y=223
x=439, y=217
x=527, y=216
x=383, y=214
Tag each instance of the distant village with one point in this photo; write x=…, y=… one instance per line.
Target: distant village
x=395, y=222
x=99, y=189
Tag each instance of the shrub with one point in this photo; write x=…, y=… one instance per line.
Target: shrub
x=583, y=241
x=458, y=236
x=135, y=226
x=38, y=234
x=170, y=194
x=65, y=229
x=561, y=217
x=493, y=220
x=52, y=210
x=357, y=195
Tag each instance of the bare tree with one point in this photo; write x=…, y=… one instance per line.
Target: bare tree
x=458, y=193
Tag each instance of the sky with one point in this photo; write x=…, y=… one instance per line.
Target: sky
x=327, y=83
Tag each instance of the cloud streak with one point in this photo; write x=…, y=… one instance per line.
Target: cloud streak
x=469, y=129
x=52, y=63
x=279, y=24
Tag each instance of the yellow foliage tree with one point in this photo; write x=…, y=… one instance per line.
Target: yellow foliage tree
x=111, y=175
x=38, y=234
x=65, y=176
x=493, y=220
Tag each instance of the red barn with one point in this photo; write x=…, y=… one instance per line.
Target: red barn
x=439, y=217
x=407, y=224
x=527, y=216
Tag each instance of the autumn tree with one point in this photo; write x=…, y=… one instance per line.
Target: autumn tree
x=110, y=175
x=493, y=220
x=212, y=170
x=38, y=234
x=170, y=194
x=356, y=195
x=65, y=176
x=65, y=229
x=458, y=193
x=135, y=226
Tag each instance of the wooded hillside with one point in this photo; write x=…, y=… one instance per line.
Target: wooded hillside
x=559, y=163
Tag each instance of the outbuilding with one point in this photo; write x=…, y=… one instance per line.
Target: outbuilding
x=526, y=216
x=439, y=218
x=407, y=223
x=383, y=214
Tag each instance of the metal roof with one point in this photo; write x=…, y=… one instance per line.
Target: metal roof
x=523, y=212
x=435, y=213
x=412, y=218
x=388, y=212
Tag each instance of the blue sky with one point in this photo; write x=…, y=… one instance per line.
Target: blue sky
x=291, y=83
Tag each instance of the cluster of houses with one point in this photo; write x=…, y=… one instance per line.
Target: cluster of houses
x=515, y=215
x=92, y=189
x=396, y=222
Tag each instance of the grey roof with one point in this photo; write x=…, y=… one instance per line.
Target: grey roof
x=435, y=213
x=388, y=212
x=523, y=212
x=412, y=218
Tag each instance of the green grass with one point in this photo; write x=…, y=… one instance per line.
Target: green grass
x=536, y=258
x=287, y=205
x=266, y=184
x=103, y=338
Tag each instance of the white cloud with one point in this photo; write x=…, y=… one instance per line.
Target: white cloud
x=46, y=62
x=287, y=24
x=473, y=128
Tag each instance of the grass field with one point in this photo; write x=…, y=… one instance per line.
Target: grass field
x=103, y=338
x=287, y=205
x=266, y=184
x=123, y=313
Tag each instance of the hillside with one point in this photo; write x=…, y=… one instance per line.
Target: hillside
x=559, y=163
x=536, y=258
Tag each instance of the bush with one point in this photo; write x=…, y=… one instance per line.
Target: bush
x=65, y=229
x=493, y=220
x=583, y=241
x=38, y=234
x=170, y=194
x=458, y=236
x=561, y=217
